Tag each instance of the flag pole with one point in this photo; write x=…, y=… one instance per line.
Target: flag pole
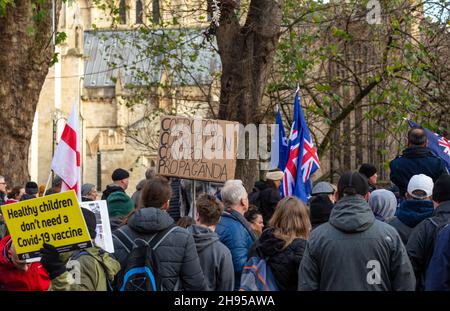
x=48, y=180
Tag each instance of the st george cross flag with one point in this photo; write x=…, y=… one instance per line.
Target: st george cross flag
x=279, y=149
x=437, y=143
x=303, y=160
x=66, y=160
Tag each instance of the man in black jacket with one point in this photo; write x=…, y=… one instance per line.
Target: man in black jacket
x=421, y=241
x=416, y=159
x=120, y=179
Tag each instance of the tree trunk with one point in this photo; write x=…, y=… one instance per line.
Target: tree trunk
x=247, y=54
x=24, y=60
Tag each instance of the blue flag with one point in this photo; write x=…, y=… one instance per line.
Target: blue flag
x=279, y=150
x=437, y=143
x=303, y=160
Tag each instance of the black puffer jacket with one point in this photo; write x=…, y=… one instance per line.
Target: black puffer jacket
x=284, y=263
x=177, y=255
x=111, y=189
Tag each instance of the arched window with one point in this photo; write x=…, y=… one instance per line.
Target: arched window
x=123, y=12
x=156, y=11
x=139, y=12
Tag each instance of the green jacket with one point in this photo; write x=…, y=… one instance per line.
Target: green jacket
x=88, y=272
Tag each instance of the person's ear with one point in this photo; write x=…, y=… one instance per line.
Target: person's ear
x=197, y=217
x=166, y=206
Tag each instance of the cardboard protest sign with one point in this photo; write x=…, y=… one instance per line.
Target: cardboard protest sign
x=103, y=229
x=54, y=219
x=199, y=149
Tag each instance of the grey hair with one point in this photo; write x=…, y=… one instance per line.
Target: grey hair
x=150, y=173
x=232, y=192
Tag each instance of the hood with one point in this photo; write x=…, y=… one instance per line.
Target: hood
x=111, y=189
x=149, y=220
x=268, y=245
x=412, y=212
x=109, y=264
x=320, y=209
x=203, y=237
x=352, y=214
x=140, y=185
x=417, y=152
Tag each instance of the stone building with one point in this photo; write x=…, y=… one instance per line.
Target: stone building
x=111, y=132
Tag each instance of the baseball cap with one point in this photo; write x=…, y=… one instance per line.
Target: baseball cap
x=420, y=182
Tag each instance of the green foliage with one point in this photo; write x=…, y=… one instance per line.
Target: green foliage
x=3, y=6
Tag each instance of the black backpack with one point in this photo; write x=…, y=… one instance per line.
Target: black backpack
x=141, y=270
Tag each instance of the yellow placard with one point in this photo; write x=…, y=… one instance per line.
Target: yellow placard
x=54, y=219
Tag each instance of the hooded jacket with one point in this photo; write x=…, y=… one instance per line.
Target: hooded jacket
x=176, y=254
x=415, y=160
x=284, y=263
x=96, y=269
x=12, y=279
x=421, y=241
x=409, y=214
x=235, y=232
x=111, y=189
x=215, y=259
x=355, y=252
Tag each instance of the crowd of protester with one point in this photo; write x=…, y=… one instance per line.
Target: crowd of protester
x=350, y=236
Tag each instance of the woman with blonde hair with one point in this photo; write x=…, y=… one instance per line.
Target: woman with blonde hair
x=282, y=245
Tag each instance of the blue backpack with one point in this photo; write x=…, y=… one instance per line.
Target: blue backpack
x=141, y=270
x=257, y=276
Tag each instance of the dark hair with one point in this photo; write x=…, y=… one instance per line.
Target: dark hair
x=209, y=209
x=185, y=221
x=150, y=173
x=252, y=213
x=367, y=169
x=156, y=192
x=15, y=191
x=417, y=136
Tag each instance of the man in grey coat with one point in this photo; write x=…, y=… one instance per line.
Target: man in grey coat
x=215, y=257
x=178, y=262
x=354, y=251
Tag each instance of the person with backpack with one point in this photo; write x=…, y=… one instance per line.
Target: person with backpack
x=151, y=241
x=416, y=208
x=266, y=194
x=438, y=272
x=233, y=229
x=215, y=258
x=421, y=241
x=90, y=269
x=282, y=245
x=354, y=251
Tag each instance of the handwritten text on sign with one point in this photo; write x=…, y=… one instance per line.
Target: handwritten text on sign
x=195, y=148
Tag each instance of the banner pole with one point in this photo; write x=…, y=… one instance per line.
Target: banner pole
x=48, y=180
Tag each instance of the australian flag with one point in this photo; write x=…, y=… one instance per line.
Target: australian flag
x=437, y=143
x=279, y=150
x=303, y=160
